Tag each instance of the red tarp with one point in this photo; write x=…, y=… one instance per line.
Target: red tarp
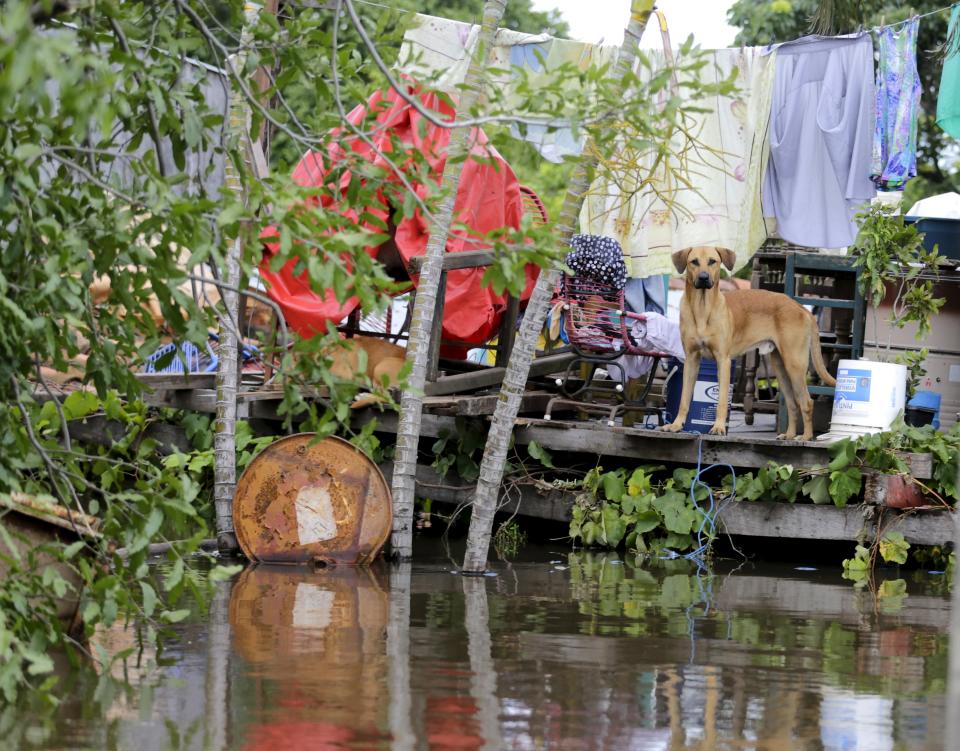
x=488, y=199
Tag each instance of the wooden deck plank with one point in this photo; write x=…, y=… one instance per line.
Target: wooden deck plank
x=795, y=521
x=482, y=406
x=176, y=381
x=478, y=379
x=808, y=522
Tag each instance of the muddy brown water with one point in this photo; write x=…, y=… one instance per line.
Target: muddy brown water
x=559, y=650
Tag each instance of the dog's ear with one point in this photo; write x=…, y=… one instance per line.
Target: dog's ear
x=680, y=260
x=728, y=257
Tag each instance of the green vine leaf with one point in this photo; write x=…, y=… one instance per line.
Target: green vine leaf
x=894, y=548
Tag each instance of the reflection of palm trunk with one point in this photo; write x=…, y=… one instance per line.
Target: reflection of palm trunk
x=398, y=658
x=218, y=669
x=483, y=676
x=524, y=348
x=671, y=688
x=951, y=739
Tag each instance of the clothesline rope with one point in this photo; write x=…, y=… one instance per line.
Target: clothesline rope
x=912, y=18
x=872, y=28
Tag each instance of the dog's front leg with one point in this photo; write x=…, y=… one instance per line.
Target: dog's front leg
x=723, y=398
x=691, y=368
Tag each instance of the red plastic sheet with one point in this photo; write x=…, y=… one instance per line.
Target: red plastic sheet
x=488, y=199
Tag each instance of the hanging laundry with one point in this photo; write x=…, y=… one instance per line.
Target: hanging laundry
x=821, y=139
x=721, y=205
x=948, y=99
x=656, y=333
x=898, y=106
x=647, y=295
x=539, y=63
x=437, y=51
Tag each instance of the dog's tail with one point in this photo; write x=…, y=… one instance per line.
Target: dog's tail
x=817, y=355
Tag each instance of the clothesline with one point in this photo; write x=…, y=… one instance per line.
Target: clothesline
x=898, y=23
x=872, y=28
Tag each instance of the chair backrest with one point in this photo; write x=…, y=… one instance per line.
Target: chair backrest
x=532, y=204
x=594, y=318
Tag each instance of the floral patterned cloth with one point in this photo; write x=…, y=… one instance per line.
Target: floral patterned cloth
x=898, y=105
x=721, y=204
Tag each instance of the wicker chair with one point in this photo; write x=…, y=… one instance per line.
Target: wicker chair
x=598, y=329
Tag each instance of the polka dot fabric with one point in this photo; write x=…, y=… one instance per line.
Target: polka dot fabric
x=598, y=258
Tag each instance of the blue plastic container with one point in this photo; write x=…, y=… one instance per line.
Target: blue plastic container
x=923, y=409
x=706, y=396
x=944, y=233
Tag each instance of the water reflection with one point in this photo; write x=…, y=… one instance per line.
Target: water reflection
x=590, y=653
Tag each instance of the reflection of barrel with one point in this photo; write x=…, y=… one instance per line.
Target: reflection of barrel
x=305, y=500
x=317, y=640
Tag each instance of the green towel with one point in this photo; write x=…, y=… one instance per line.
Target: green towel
x=948, y=100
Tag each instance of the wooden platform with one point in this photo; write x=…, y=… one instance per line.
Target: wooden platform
x=793, y=521
x=593, y=442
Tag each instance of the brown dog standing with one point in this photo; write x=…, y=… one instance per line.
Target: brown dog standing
x=725, y=325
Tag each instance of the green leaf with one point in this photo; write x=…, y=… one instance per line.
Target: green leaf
x=818, y=489
x=174, y=576
x=38, y=662
x=149, y=599
x=844, y=485
x=613, y=526
x=223, y=573
x=71, y=550
x=80, y=404
x=540, y=454
x=646, y=521
x=844, y=454
x=613, y=486
x=678, y=515
x=894, y=548
x=174, y=616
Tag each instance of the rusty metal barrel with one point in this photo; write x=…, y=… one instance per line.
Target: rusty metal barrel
x=304, y=500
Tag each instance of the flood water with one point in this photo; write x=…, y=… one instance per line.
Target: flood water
x=557, y=651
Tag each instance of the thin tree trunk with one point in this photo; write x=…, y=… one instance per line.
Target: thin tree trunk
x=515, y=381
x=421, y=322
x=224, y=435
x=228, y=371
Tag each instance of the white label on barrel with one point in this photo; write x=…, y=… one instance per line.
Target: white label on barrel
x=954, y=375
x=315, y=521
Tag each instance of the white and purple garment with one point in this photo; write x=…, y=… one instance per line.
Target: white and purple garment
x=598, y=258
x=821, y=139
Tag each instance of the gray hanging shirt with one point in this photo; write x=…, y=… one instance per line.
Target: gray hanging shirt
x=821, y=137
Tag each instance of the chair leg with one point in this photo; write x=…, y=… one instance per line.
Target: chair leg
x=750, y=384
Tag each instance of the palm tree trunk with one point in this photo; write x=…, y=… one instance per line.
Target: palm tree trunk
x=421, y=322
x=518, y=368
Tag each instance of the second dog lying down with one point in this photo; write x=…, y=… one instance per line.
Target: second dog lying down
x=725, y=325
x=383, y=359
